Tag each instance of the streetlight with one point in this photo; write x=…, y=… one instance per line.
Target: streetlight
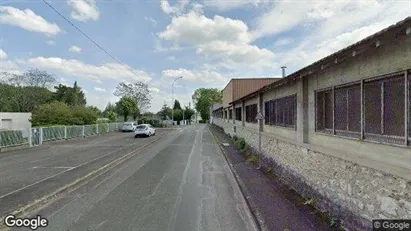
x=172, y=98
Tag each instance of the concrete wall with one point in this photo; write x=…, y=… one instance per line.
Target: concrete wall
x=15, y=121
x=353, y=179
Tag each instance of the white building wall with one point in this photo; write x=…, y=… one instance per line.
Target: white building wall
x=15, y=121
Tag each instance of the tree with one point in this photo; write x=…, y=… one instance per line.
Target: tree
x=96, y=110
x=188, y=113
x=178, y=114
x=112, y=116
x=37, y=78
x=109, y=108
x=22, y=99
x=203, y=99
x=176, y=105
x=165, y=112
x=72, y=96
x=32, y=78
x=56, y=113
x=138, y=91
x=126, y=107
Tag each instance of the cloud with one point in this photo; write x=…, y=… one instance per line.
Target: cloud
x=283, y=42
x=3, y=54
x=73, y=67
x=154, y=22
x=169, y=58
x=225, y=5
x=198, y=77
x=223, y=38
x=177, y=9
x=351, y=21
x=75, y=49
x=99, y=89
x=27, y=20
x=84, y=10
x=51, y=42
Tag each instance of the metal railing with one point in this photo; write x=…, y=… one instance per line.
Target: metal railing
x=37, y=136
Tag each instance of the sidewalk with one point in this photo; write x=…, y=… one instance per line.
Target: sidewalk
x=275, y=206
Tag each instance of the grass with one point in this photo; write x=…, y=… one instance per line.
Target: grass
x=252, y=159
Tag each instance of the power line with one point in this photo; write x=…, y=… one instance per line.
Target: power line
x=91, y=40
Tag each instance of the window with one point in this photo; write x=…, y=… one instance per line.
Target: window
x=384, y=108
x=324, y=110
x=230, y=114
x=281, y=112
x=348, y=111
x=225, y=114
x=238, y=113
x=251, y=113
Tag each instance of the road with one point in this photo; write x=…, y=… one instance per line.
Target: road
x=181, y=182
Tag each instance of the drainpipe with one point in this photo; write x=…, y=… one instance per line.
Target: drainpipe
x=283, y=67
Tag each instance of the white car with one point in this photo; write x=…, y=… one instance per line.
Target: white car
x=129, y=127
x=144, y=130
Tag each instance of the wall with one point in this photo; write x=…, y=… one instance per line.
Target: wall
x=228, y=94
x=16, y=121
x=354, y=180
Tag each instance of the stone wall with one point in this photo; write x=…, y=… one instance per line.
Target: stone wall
x=353, y=193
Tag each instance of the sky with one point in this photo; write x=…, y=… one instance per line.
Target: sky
x=207, y=42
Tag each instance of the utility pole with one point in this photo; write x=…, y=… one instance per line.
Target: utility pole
x=172, y=97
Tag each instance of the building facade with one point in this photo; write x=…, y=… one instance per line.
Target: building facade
x=16, y=121
x=338, y=131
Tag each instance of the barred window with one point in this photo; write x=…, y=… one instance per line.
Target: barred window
x=324, y=110
x=267, y=112
x=282, y=111
x=230, y=114
x=238, y=113
x=225, y=114
x=251, y=113
x=384, y=108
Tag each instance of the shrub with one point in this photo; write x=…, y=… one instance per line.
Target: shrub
x=240, y=144
x=235, y=138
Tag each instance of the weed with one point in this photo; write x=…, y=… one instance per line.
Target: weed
x=309, y=202
x=252, y=159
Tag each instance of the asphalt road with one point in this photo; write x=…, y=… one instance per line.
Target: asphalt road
x=28, y=174
x=179, y=183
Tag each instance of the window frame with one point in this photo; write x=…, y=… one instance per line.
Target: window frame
x=393, y=140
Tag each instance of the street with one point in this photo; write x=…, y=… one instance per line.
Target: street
x=181, y=182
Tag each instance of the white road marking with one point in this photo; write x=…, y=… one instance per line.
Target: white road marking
x=66, y=170
x=58, y=167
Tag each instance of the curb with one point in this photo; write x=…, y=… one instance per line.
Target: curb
x=257, y=217
x=57, y=194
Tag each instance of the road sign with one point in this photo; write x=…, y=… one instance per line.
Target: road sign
x=259, y=116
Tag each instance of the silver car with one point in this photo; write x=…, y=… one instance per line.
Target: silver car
x=129, y=127
x=144, y=130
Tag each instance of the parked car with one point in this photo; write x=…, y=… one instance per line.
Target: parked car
x=129, y=127
x=144, y=130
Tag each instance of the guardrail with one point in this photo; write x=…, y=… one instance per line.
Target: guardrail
x=36, y=136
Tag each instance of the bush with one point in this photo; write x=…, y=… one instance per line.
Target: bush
x=240, y=144
x=58, y=113
x=202, y=121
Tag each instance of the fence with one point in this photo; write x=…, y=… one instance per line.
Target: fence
x=13, y=138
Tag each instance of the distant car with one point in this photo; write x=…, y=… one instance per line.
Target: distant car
x=144, y=130
x=129, y=127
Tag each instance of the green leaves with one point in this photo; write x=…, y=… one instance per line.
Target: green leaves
x=203, y=99
x=127, y=107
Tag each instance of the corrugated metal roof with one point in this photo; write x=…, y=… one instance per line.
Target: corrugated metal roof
x=310, y=69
